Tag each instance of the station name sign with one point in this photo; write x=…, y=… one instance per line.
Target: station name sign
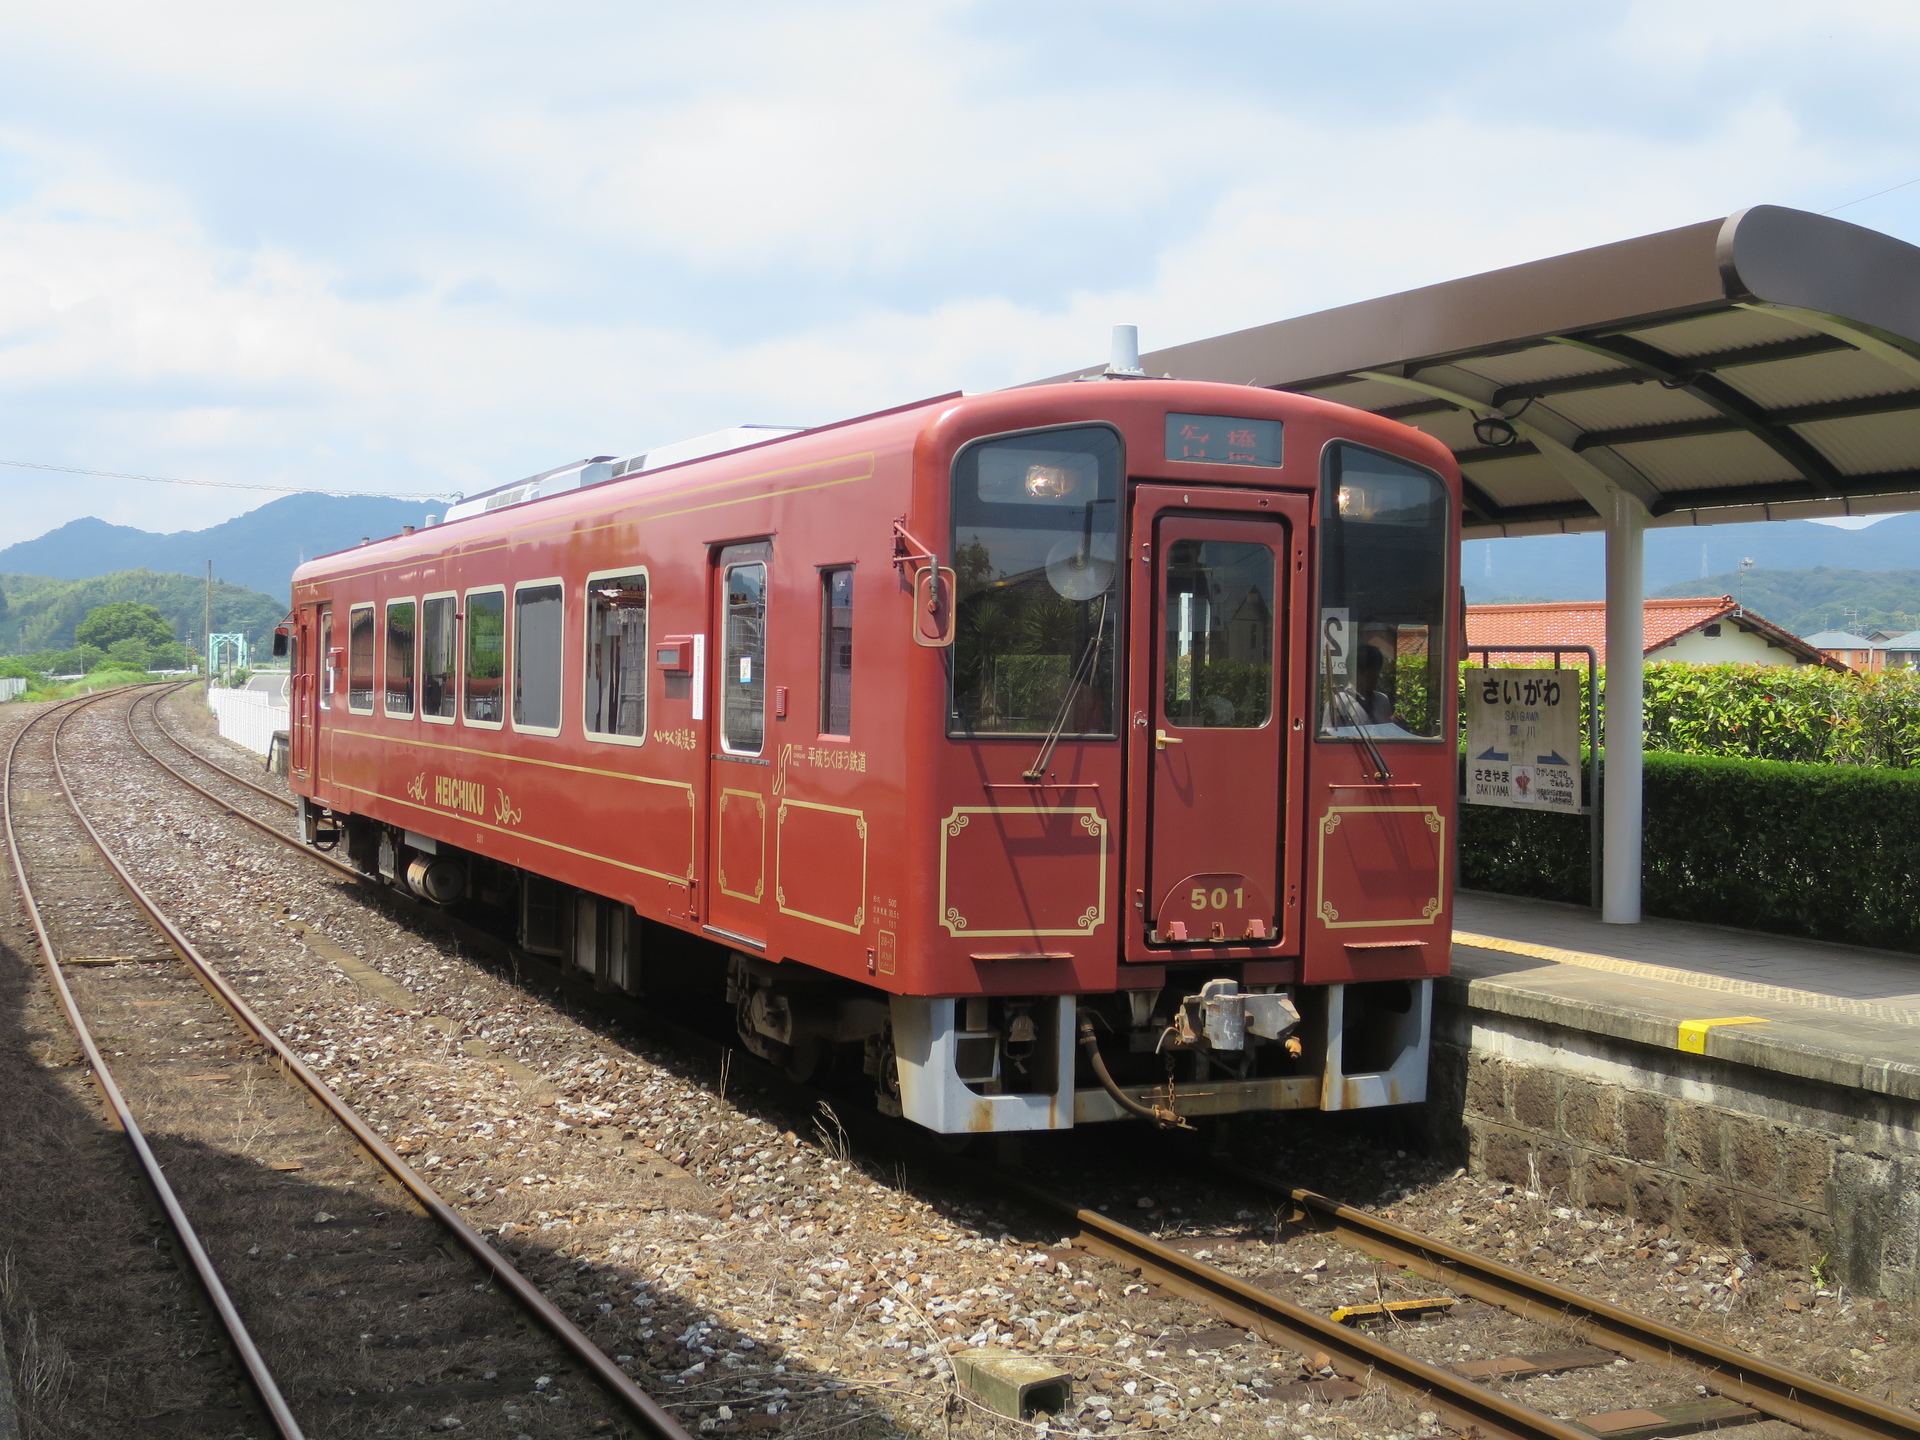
x=1523, y=739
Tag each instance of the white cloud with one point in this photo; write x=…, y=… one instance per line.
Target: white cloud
x=445, y=245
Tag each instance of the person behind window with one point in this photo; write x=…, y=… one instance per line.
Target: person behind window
x=1367, y=702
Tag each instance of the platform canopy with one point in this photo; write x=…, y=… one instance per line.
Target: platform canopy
x=1764, y=366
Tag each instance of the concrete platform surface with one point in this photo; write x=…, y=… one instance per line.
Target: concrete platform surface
x=1833, y=1014
x=1887, y=977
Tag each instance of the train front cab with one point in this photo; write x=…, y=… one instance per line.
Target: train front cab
x=1228, y=682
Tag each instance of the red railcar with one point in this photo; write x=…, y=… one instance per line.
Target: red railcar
x=1062, y=752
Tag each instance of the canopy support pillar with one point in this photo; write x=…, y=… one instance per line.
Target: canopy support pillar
x=1624, y=711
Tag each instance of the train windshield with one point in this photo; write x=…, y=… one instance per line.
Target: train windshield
x=1035, y=520
x=1383, y=582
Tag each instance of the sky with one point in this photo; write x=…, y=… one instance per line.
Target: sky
x=434, y=247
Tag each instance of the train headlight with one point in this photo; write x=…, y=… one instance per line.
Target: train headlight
x=1051, y=482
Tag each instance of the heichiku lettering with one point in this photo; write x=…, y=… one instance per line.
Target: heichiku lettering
x=450, y=793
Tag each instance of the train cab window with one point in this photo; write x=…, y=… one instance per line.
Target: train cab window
x=1217, y=670
x=399, y=687
x=536, y=657
x=485, y=661
x=743, y=679
x=836, y=652
x=437, y=650
x=616, y=698
x=1383, y=587
x=329, y=662
x=360, y=659
x=1035, y=520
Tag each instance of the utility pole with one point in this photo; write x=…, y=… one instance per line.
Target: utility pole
x=206, y=635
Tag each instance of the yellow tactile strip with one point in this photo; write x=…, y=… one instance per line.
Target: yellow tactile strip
x=1726, y=985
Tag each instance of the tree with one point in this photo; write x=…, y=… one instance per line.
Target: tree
x=123, y=620
x=129, y=654
x=169, y=657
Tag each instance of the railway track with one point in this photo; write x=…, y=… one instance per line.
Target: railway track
x=1750, y=1388
x=1772, y=1389
x=267, y=1189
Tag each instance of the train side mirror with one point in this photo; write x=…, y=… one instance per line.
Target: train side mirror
x=933, y=606
x=279, y=644
x=932, y=585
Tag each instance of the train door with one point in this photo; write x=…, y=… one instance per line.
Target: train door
x=330, y=660
x=304, y=690
x=1212, y=706
x=739, y=775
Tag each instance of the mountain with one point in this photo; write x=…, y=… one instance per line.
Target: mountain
x=257, y=551
x=41, y=610
x=1573, y=567
x=1809, y=601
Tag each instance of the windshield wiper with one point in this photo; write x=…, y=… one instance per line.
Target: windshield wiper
x=1082, y=673
x=1381, y=772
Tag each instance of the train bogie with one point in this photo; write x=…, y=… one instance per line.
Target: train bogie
x=1050, y=756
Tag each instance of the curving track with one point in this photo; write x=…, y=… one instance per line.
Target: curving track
x=73, y=887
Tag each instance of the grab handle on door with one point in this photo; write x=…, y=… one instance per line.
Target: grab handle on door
x=1161, y=740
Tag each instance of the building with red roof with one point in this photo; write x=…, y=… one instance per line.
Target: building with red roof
x=1704, y=630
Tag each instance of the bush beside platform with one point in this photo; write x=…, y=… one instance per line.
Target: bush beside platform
x=1825, y=851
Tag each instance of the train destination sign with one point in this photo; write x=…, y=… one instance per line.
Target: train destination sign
x=1523, y=739
x=1223, y=440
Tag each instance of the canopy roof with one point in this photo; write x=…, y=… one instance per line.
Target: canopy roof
x=1764, y=366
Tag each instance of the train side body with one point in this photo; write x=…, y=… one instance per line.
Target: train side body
x=995, y=837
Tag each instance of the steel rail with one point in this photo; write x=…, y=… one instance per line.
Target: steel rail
x=1775, y=1390
x=153, y=714
x=293, y=842
x=617, y=1382
x=1352, y=1353
x=259, y=1376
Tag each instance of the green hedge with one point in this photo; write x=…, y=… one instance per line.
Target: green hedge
x=1831, y=852
x=1524, y=852
x=1775, y=712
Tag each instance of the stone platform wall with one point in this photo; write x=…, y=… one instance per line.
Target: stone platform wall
x=1788, y=1169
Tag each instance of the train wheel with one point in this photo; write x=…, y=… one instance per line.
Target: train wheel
x=802, y=1061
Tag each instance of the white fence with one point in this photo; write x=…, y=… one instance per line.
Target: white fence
x=249, y=717
x=12, y=687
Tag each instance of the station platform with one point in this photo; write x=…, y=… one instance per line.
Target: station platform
x=1755, y=1089
x=1841, y=1014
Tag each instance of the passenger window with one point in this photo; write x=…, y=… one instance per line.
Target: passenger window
x=326, y=659
x=436, y=658
x=617, y=656
x=743, y=691
x=399, y=697
x=536, y=657
x=360, y=659
x=836, y=652
x=486, y=654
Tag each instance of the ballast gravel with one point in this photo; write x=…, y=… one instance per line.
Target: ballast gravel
x=755, y=1273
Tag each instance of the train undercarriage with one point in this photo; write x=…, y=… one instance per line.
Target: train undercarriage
x=1200, y=1045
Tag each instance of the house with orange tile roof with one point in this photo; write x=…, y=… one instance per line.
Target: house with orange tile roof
x=1707, y=630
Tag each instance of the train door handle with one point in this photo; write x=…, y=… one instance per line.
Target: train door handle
x=1161, y=740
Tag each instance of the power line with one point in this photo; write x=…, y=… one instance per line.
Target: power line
x=1876, y=194
x=228, y=484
